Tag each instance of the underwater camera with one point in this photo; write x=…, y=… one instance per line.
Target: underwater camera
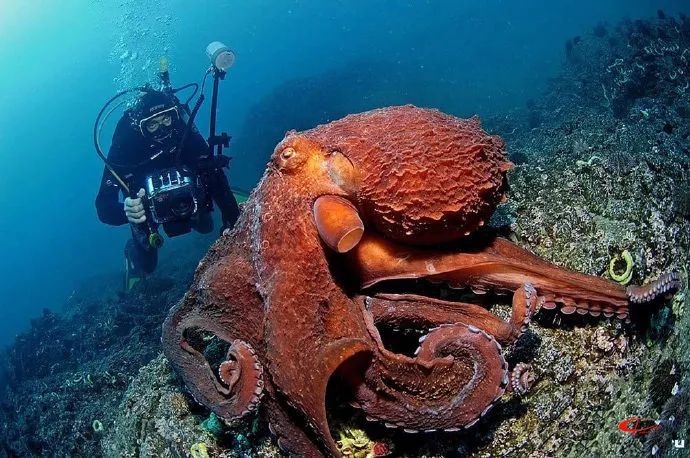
x=172, y=195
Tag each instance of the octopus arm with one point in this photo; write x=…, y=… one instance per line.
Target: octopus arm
x=236, y=390
x=408, y=310
x=286, y=427
x=668, y=284
x=498, y=264
x=305, y=380
x=457, y=375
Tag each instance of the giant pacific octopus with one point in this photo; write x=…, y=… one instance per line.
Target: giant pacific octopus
x=346, y=219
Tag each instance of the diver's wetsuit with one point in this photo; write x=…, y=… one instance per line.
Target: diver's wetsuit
x=130, y=155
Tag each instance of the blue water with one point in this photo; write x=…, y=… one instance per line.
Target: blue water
x=298, y=62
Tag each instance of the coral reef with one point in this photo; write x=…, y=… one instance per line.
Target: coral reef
x=674, y=426
x=665, y=377
x=68, y=372
x=626, y=202
x=636, y=61
x=154, y=419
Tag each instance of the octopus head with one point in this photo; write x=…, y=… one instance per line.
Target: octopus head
x=414, y=175
x=316, y=169
x=325, y=179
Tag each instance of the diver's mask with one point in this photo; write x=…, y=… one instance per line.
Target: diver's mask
x=160, y=126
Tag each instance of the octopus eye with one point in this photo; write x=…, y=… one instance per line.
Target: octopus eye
x=288, y=153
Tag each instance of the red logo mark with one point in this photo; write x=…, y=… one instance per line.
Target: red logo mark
x=638, y=426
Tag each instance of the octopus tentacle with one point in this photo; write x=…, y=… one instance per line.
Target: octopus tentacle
x=408, y=310
x=457, y=375
x=525, y=305
x=521, y=378
x=668, y=284
x=290, y=436
x=242, y=373
x=500, y=264
x=497, y=264
x=236, y=391
x=411, y=311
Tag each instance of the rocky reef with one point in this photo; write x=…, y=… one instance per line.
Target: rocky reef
x=604, y=161
x=66, y=376
x=602, y=168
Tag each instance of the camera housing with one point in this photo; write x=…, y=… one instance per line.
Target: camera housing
x=172, y=195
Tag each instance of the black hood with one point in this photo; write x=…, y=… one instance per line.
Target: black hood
x=149, y=103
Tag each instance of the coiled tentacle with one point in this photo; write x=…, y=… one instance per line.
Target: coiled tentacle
x=521, y=378
x=238, y=387
x=235, y=389
x=457, y=375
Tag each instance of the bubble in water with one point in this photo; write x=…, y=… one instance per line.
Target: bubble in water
x=146, y=33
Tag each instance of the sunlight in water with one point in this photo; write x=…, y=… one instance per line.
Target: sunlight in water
x=24, y=16
x=12, y=14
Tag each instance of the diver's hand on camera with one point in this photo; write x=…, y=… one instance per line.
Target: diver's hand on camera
x=134, y=208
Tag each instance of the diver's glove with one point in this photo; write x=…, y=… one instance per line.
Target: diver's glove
x=134, y=208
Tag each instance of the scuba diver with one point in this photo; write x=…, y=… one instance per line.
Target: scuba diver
x=160, y=171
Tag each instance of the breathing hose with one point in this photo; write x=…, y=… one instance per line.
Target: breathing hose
x=97, y=130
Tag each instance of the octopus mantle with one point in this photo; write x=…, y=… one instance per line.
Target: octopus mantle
x=374, y=202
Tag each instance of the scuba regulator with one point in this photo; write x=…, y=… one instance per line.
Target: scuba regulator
x=172, y=194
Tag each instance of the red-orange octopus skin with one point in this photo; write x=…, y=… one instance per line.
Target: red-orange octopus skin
x=425, y=177
x=391, y=194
